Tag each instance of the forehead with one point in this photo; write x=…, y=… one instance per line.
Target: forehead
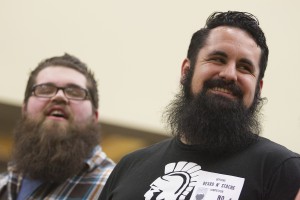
x=224, y=33
x=233, y=41
x=61, y=76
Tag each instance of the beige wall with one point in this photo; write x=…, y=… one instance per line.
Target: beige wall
x=136, y=48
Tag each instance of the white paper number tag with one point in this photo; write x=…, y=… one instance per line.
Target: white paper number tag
x=213, y=186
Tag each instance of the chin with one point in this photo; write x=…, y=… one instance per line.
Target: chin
x=56, y=126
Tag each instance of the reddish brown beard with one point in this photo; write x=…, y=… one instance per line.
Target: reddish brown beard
x=52, y=153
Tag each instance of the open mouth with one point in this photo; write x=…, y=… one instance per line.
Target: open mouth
x=57, y=113
x=223, y=91
x=226, y=89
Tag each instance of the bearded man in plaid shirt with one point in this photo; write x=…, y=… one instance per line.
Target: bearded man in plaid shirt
x=57, y=153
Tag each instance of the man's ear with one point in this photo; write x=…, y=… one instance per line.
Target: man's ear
x=185, y=68
x=96, y=115
x=261, y=83
x=24, y=109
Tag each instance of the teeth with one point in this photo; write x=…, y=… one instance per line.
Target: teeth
x=222, y=90
x=57, y=113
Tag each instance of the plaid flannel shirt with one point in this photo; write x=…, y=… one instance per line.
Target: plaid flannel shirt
x=87, y=184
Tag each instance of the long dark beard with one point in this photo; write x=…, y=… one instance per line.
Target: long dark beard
x=213, y=123
x=52, y=153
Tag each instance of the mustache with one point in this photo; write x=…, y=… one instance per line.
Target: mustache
x=230, y=86
x=58, y=106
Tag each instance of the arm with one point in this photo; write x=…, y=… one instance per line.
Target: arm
x=298, y=195
x=285, y=182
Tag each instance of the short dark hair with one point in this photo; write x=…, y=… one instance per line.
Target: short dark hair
x=68, y=61
x=243, y=20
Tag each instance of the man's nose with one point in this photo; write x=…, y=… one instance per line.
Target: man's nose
x=60, y=95
x=229, y=72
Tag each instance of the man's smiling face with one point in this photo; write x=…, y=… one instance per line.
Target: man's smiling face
x=231, y=55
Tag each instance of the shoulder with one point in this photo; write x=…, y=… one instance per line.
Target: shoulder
x=266, y=147
x=281, y=168
x=130, y=162
x=3, y=180
x=99, y=166
x=99, y=159
x=274, y=157
x=140, y=156
x=148, y=151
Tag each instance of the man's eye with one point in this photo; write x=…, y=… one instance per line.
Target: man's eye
x=46, y=89
x=218, y=60
x=245, y=69
x=75, y=92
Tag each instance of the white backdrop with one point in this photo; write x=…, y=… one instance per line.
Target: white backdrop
x=136, y=47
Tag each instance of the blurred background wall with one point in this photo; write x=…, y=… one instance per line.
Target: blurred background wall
x=136, y=48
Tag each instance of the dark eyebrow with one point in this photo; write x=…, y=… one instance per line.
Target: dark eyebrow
x=73, y=85
x=67, y=85
x=218, y=53
x=223, y=54
x=247, y=61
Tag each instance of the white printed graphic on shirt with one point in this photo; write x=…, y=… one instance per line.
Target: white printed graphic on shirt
x=178, y=181
x=186, y=179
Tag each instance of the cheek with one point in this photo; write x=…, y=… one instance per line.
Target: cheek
x=35, y=107
x=196, y=85
x=82, y=112
x=249, y=91
x=201, y=74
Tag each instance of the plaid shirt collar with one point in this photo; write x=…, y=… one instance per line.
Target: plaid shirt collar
x=13, y=179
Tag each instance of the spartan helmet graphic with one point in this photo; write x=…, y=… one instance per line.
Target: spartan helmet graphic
x=177, y=182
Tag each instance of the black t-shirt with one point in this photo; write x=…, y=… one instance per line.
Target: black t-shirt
x=172, y=170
